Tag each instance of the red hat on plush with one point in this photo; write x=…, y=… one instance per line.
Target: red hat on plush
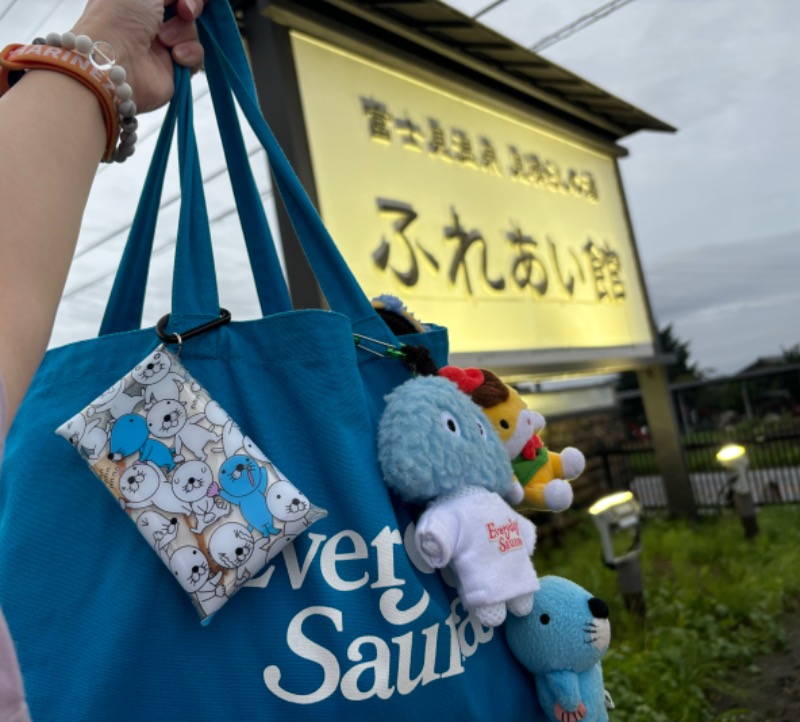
x=466, y=379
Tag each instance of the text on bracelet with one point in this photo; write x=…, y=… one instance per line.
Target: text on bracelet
x=65, y=56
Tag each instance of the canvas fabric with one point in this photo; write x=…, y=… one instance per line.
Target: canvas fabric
x=348, y=622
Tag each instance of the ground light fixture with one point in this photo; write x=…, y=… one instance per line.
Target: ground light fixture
x=733, y=458
x=618, y=519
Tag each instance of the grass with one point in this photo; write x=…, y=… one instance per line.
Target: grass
x=714, y=603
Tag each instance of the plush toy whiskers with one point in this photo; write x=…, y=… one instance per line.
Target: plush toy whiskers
x=562, y=642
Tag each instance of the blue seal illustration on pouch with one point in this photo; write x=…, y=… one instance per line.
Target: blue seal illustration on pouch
x=214, y=519
x=130, y=435
x=244, y=483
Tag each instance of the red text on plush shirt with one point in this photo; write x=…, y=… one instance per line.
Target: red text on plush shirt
x=506, y=535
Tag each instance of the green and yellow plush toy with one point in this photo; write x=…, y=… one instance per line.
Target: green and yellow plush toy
x=544, y=475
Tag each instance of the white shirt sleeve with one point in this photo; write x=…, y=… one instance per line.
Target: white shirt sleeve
x=436, y=536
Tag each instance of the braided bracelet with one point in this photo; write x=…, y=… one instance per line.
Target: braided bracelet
x=99, y=73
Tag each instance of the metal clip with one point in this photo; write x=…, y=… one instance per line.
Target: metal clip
x=224, y=317
x=386, y=349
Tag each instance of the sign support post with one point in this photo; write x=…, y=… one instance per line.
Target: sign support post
x=275, y=75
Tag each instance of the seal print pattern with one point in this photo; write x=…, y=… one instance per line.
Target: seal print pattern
x=208, y=501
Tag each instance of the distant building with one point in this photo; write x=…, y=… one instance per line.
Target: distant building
x=762, y=363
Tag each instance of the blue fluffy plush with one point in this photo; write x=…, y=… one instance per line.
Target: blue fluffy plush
x=562, y=642
x=436, y=447
x=433, y=440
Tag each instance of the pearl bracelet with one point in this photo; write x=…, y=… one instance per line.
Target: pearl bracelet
x=102, y=56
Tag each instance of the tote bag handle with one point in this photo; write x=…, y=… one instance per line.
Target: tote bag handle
x=126, y=301
x=229, y=73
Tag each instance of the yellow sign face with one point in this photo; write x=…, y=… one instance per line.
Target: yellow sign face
x=479, y=218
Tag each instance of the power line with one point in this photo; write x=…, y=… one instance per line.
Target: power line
x=580, y=24
x=489, y=7
x=8, y=7
x=157, y=251
x=172, y=199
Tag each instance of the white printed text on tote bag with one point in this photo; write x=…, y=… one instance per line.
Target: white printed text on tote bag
x=461, y=632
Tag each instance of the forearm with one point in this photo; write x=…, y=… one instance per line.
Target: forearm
x=44, y=185
x=52, y=136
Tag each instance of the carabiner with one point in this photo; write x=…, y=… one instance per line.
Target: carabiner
x=224, y=317
x=387, y=349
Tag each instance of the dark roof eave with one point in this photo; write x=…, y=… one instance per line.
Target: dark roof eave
x=442, y=23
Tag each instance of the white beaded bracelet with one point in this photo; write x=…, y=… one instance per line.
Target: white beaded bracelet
x=102, y=57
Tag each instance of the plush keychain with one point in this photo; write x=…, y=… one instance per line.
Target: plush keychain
x=544, y=475
x=436, y=447
x=396, y=315
x=562, y=642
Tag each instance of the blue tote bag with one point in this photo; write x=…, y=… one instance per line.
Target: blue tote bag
x=348, y=623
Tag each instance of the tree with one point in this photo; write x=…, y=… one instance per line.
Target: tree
x=678, y=371
x=681, y=370
x=791, y=355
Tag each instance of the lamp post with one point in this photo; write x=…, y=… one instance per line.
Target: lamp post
x=615, y=516
x=733, y=458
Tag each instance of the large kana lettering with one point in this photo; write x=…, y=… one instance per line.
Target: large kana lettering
x=370, y=659
x=542, y=267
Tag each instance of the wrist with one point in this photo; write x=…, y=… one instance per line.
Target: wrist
x=80, y=99
x=90, y=62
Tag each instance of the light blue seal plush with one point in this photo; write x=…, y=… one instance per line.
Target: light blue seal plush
x=562, y=642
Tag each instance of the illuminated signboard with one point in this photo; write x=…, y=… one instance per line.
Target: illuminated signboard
x=509, y=232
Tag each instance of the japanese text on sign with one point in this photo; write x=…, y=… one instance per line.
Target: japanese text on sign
x=528, y=265
x=454, y=145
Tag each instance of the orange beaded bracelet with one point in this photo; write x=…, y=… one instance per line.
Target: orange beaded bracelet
x=18, y=58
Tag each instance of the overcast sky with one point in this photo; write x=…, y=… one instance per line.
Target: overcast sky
x=715, y=207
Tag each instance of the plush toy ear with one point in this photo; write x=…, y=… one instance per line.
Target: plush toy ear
x=466, y=379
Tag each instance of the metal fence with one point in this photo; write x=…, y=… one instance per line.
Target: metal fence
x=773, y=451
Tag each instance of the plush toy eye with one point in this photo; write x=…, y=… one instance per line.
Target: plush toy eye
x=545, y=619
x=450, y=423
x=481, y=429
x=504, y=423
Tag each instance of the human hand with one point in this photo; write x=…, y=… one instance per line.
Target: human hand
x=144, y=44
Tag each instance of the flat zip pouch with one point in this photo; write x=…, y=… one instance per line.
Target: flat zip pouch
x=208, y=501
